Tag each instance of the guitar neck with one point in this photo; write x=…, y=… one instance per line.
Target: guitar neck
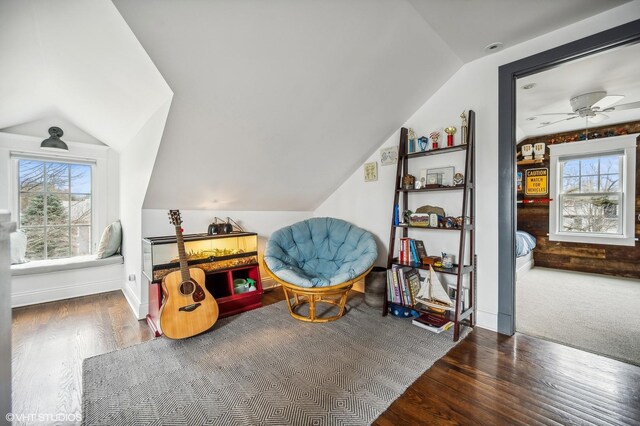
x=184, y=265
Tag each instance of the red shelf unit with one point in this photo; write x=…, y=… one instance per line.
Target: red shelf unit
x=218, y=280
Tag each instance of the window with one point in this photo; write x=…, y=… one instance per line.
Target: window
x=55, y=208
x=593, y=192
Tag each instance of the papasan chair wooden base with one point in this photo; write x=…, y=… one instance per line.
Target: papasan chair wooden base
x=297, y=297
x=317, y=261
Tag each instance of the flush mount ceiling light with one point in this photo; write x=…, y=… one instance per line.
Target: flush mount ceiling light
x=493, y=47
x=529, y=86
x=53, y=143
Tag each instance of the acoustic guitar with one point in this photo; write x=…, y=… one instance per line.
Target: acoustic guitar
x=188, y=307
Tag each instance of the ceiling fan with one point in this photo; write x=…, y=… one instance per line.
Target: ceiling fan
x=592, y=106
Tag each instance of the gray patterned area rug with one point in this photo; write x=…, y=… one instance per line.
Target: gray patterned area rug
x=264, y=367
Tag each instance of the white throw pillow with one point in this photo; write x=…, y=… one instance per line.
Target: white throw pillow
x=18, y=242
x=110, y=241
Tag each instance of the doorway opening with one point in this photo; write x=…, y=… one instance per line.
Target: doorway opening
x=563, y=262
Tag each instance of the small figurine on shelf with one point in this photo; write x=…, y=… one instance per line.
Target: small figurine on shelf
x=458, y=179
x=423, y=142
x=463, y=129
x=412, y=141
x=538, y=151
x=435, y=135
x=408, y=181
x=450, y=131
x=406, y=216
x=447, y=261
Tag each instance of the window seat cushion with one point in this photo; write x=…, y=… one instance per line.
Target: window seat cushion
x=54, y=265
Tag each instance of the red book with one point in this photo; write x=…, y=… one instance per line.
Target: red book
x=432, y=320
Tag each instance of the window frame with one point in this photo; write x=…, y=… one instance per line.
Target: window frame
x=625, y=145
x=101, y=187
x=16, y=157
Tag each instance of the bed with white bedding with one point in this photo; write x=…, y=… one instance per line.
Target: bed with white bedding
x=525, y=243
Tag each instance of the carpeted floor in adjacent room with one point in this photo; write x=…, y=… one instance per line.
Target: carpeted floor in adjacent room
x=596, y=313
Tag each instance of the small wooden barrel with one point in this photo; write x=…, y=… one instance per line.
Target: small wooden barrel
x=374, y=287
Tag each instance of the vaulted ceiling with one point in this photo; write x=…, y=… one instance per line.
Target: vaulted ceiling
x=77, y=60
x=275, y=102
x=278, y=102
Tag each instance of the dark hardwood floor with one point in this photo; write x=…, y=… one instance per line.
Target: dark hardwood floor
x=50, y=341
x=492, y=379
x=486, y=379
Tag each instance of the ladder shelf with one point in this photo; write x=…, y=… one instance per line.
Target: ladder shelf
x=461, y=314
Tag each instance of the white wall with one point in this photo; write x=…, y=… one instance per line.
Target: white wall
x=136, y=164
x=5, y=314
x=474, y=86
x=155, y=223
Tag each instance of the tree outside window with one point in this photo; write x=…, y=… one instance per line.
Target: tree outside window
x=591, y=194
x=55, y=208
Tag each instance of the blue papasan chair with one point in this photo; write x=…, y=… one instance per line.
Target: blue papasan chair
x=317, y=261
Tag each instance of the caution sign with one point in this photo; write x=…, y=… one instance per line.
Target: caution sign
x=536, y=182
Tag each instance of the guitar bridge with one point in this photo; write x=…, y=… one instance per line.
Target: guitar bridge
x=190, y=308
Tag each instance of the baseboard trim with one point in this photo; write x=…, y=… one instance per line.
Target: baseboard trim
x=487, y=320
x=134, y=302
x=52, y=294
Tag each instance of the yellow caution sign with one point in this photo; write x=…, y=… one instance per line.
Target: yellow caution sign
x=537, y=182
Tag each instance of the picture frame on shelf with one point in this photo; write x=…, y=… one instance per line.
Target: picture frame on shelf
x=441, y=176
x=451, y=291
x=423, y=178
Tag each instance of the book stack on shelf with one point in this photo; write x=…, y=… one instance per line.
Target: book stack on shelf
x=424, y=297
x=403, y=285
x=412, y=251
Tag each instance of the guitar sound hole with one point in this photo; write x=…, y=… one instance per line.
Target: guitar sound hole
x=187, y=287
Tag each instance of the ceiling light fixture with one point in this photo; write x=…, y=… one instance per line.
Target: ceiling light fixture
x=529, y=86
x=53, y=143
x=493, y=47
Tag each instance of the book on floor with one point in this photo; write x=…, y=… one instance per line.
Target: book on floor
x=434, y=323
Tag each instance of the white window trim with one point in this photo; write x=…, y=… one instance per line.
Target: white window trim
x=17, y=146
x=17, y=156
x=625, y=143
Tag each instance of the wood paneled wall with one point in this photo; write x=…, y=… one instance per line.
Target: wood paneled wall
x=622, y=261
